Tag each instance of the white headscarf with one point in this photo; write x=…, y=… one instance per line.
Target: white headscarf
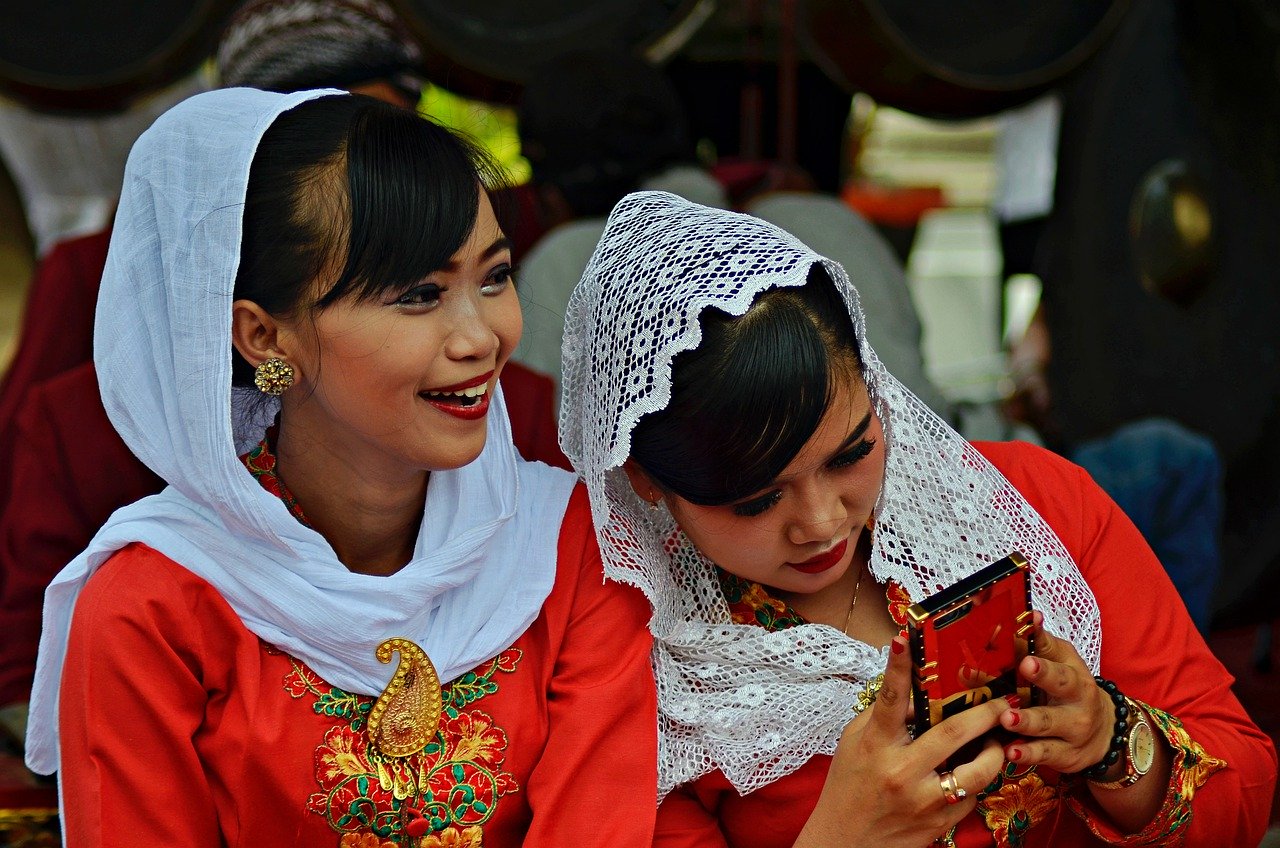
x=485, y=558
x=757, y=704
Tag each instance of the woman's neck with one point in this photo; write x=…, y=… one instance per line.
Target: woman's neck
x=369, y=512
x=867, y=620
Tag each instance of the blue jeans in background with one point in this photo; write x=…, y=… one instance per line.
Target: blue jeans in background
x=1168, y=480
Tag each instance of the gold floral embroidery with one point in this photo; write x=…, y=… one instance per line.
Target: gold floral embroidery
x=455, y=838
x=867, y=696
x=364, y=840
x=1016, y=807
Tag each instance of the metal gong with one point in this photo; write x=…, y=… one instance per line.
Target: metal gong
x=954, y=59
x=487, y=50
x=91, y=56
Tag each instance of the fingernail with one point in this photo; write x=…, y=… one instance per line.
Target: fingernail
x=1015, y=700
x=1037, y=618
x=897, y=647
x=1015, y=718
x=1015, y=754
x=1035, y=666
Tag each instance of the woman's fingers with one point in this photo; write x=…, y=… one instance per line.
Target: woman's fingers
x=977, y=774
x=1058, y=754
x=969, y=779
x=889, y=713
x=943, y=740
x=1065, y=679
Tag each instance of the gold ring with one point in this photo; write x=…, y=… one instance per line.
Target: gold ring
x=952, y=791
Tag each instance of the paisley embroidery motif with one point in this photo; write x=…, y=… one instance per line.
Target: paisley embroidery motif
x=438, y=797
x=406, y=715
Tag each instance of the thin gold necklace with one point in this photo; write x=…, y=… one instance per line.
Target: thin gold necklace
x=854, y=602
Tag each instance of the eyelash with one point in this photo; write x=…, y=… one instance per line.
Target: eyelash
x=429, y=294
x=750, y=509
x=502, y=275
x=856, y=453
x=429, y=290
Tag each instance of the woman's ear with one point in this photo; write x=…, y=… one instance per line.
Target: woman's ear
x=255, y=333
x=641, y=482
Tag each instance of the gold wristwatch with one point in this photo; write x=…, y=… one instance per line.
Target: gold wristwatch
x=1139, y=749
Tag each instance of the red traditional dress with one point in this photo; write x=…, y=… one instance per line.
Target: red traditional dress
x=180, y=727
x=1224, y=768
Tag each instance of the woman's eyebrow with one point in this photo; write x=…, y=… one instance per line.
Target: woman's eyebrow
x=858, y=433
x=500, y=244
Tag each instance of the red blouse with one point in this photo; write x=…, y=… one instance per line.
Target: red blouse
x=1224, y=767
x=180, y=727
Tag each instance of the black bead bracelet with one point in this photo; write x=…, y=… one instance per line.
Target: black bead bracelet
x=1101, y=767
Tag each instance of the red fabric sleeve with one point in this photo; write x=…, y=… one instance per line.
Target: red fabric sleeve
x=602, y=712
x=1150, y=647
x=531, y=404
x=132, y=700
x=57, y=328
x=685, y=822
x=72, y=471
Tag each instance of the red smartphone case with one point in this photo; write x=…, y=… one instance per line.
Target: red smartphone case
x=967, y=642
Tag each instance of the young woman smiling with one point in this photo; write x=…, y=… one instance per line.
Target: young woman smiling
x=355, y=618
x=782, y=499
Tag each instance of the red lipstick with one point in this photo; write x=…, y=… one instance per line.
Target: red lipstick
x=466, y=384
x=822, y=562
x=468, y=409
x=467, y=413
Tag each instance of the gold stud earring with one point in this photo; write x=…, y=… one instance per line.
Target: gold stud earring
x=273, y=376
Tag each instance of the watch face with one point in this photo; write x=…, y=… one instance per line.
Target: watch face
x=1142, y=747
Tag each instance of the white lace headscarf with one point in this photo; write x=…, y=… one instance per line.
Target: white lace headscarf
x=485, y=557
x=757, y=704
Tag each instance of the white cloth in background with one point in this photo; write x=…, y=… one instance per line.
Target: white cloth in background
x=485, y=558
x=1026, y=158
x=757, y=704
x=829, y=227
x=553, y=267
x=68, y=168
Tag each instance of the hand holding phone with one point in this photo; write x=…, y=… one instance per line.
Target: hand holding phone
x=967, y=641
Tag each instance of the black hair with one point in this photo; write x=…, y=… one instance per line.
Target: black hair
x=748, y=398
x=595, y=124
x=363, y=196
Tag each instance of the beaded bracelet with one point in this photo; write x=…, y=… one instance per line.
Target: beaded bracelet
x=1120, y=736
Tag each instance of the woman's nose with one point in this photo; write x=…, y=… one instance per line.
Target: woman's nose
x=817, y=516
x=470, y=335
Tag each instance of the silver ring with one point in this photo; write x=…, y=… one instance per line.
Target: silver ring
x=952, y=791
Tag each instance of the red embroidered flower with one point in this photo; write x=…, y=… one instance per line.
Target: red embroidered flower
x=899, y=602
x=301, y=680
x=364, y=840
x=472, y=736
x=342, y=755
x=507, y=660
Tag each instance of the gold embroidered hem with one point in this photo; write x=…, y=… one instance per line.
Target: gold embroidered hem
x=1191, y=768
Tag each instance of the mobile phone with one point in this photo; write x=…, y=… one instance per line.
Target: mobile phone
x=967, y=642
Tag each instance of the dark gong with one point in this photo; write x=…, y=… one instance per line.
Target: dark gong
x=486, y=50
x=956, y=59
x=89, y=55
